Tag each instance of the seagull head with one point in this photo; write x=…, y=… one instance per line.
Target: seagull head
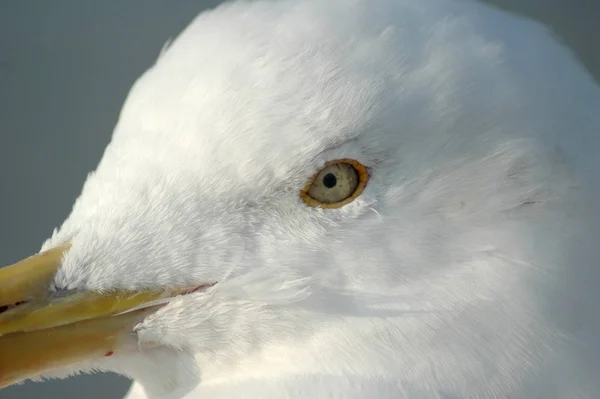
x=306, y=187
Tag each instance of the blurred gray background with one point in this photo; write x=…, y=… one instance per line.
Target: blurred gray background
x=65, y=69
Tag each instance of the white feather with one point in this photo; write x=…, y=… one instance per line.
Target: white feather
x=467, y=268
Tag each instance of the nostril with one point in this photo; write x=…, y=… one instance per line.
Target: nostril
x=4, y=308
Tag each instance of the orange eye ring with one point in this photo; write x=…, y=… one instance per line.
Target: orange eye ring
x=351, y=172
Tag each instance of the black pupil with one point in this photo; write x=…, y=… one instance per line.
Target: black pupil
x=329, y=180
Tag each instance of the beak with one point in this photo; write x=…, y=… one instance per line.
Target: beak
x=42, y=330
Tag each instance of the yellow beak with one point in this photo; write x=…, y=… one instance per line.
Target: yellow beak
x=41, y=330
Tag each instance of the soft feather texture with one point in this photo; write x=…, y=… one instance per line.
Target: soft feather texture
x=467, y=268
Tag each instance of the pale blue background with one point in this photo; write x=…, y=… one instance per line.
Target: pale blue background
x=65, y=68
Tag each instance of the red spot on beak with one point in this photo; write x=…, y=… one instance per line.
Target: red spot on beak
x=109, y=353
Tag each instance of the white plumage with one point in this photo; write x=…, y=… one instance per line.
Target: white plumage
x=467, y=268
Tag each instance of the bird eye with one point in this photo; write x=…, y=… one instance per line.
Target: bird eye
x=336, y=185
